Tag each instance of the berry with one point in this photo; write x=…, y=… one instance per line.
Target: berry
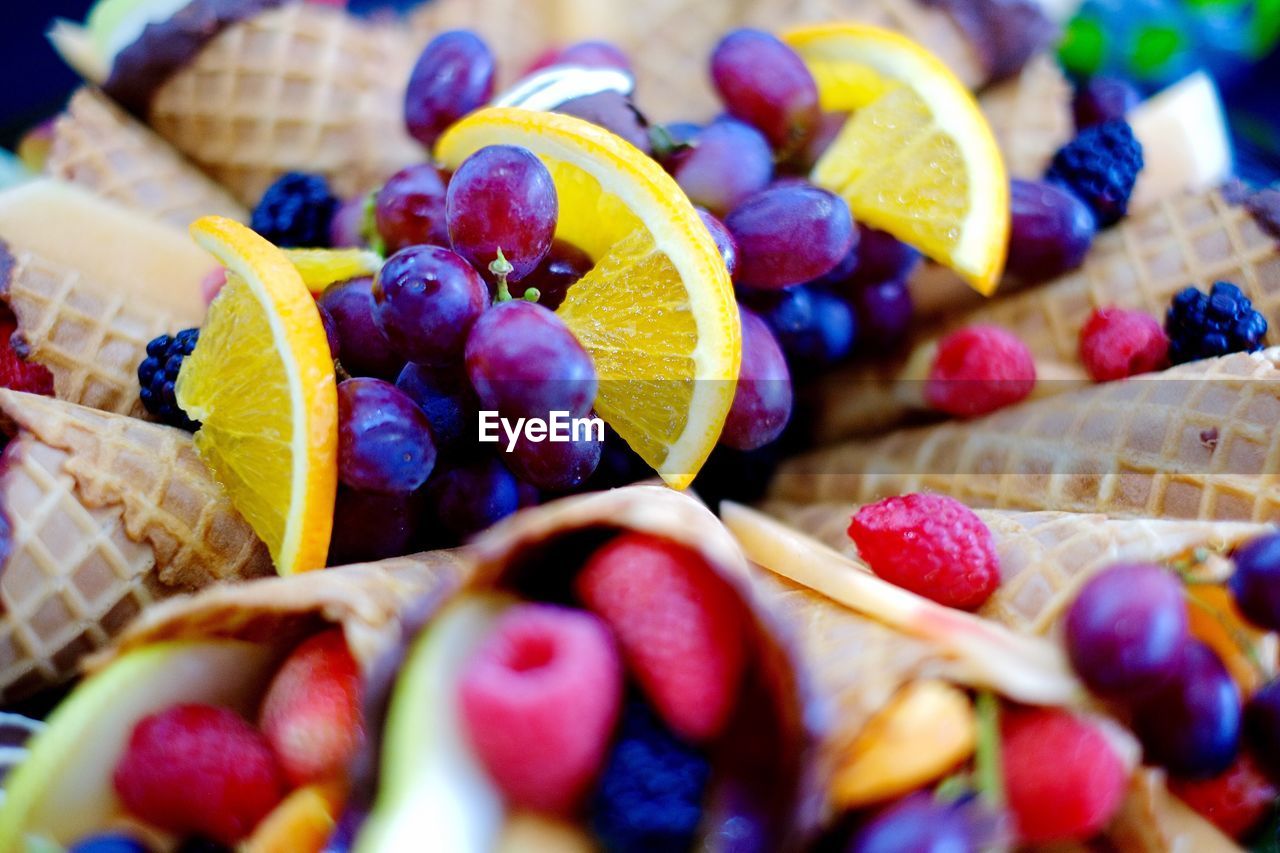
x=1262, y=726
x=555, y=466
x=16, y=372
x=1236, y=801
x=198, y=769
x=884, y=313
x=1063, y=778
x=330, y=332
x=765, y=83
x=1127, y=629
x=680, y=628
x=453, y=76
x=346, y=230
x=469, y=497
x=409, y=209
x=426, y=301
x=1101, y=166
x=979, y=369
x=1051, y=231
x=762, y=401
x=650, y=794
x=311, y=713
x=561, y=269
x=1191, y=726
x=384, y=439
x=724, y=241
x=362, y=345
x=1116, y=343
x=585, y=54
x=109, y=843
x=933, y=545
x=725, y=164
x=1103, y=99
x=539, y=699
x=882, y=257
x=368, y=526
x=1255, y=585
x=790, y=234
x=815, y=328
x=1207, y=326
x=615, y=113
x=917, y=823
x=447, y=400
x=296, y=211
x=159, y=371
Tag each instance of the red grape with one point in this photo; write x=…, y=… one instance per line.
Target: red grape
x=789, y=235
x=447, y=400
x=559, y=270
x=766, y=84
x=555, y=466
x=364, y=348
x=1192, y=725
x=1050, y=233
x=762, y=400
x=723, y=165
x=384, y=439
x=470, y=497
x=427, y=300
x=587, y=54
x=615, y=113
x=724, y=241
x=453, y=76
x=409, y=209
x=370, y=526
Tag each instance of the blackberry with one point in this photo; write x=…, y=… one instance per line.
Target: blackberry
x=296, y=211
x=1203, y=325
x=650, y=793
x=1100, y=165
x=159, y=371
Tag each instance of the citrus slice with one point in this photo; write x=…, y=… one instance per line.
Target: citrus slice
x=657, y=312
x=916, y=157
x=261, y=383
x=320, y=268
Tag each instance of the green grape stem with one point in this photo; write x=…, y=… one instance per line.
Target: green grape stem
x=501, y=268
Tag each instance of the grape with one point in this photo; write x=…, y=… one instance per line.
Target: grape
x=1050, y=232
x=586, y=54
x=502, y=198
x=762, y=400
x=615, y=113
x=445, y=397
x=815, y=328
x=789, y=235
x=682, y=133
x=470, y=497
x=1192, y=725
x=619, y=464
x=555, y=466
x=725, y=164
x=917, y=823
x=736, y=475
x=884, y=313
x=364, y=347
x=409, y=209
x=384, y=439
x=882, y=257
x=724, y=241
x=559, y=270
x=1262, y=725
x=764, y=83
x=370, y=526
x=1256, y=582
x=842, y=272
x=453, y=76
x=828, y=128
x=525, y=363
x=1103, y=99
x=330, y=332
x=1127, y=630
x=346, y=229
x=427, y=300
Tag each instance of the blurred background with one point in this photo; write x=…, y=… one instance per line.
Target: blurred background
x=1151, y=42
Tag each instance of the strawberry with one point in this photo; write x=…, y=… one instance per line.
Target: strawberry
x=679, y=625
x=1236, y=801
x=16, y=372
x=311, y=714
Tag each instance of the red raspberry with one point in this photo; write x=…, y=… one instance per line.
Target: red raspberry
x=933, y=545
x=539, y=700
x=197, y=769
x=1236, y=801
x=311, y=714
x=679, y=625
x=979, y=369
x=1116, y=343
x=1063, y=778
x=16, y=373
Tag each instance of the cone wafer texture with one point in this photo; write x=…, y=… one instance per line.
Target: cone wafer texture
x=1030, y=114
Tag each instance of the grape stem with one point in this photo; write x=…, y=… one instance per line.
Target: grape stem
x=987, y=767
x=501, y=268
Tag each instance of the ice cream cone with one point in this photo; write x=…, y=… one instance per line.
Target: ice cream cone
x=101, y=148
x=1197, y=441
x=106, y=514
x=1030, y=115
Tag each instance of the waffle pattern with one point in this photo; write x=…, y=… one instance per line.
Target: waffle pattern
x=1197, y=441
x=101, y=148
x=1030, y=115
x=90, y=338
x=299, y=87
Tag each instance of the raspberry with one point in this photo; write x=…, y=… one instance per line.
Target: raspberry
x=979, y=369
x=1116, y=343
x=650, y=794
x=679, y=625
x=198, y=769
x=1207, y=326
x=311, y=714
x=1101, y=166
x=296, y=211
x=933, y=545
x=1063, y=779
x=16, y=372
x=159, y=371
x=539, y=700
x=1236, y=801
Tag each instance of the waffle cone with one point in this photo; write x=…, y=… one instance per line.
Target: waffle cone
x=101, y=148
x=107, y=514
x=301, y=87
x=1197, y=441
x=1030, y=115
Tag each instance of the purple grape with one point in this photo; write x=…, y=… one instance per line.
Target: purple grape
x=789, y=235
x=619, y=464
x=1262, y=725
x=330, y=332
x=409, y=209
x=1256, y=582
x=427, y=300
x=370, y=526
x=1192, y=725
x=682, y=133
x=882, y=257
x=453, y=76
x=471, y=497
x=586, y=54
x=1103, y=99
x=346, y=229
x=502, y=199
x=724, y=241
x=766, y=84
x=884, y=313
x=555, y=466
x=723, y=165
x=615, y=113
x=1050, y=233
x=829, y=127
x=447, y=400
x=762, y=401
x=1127, y=630
x=525, y=363
x=919, y=824
x=559, y=270
x=815, y=328
x=842, y=272
x=365, y=349
x=384, y=439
